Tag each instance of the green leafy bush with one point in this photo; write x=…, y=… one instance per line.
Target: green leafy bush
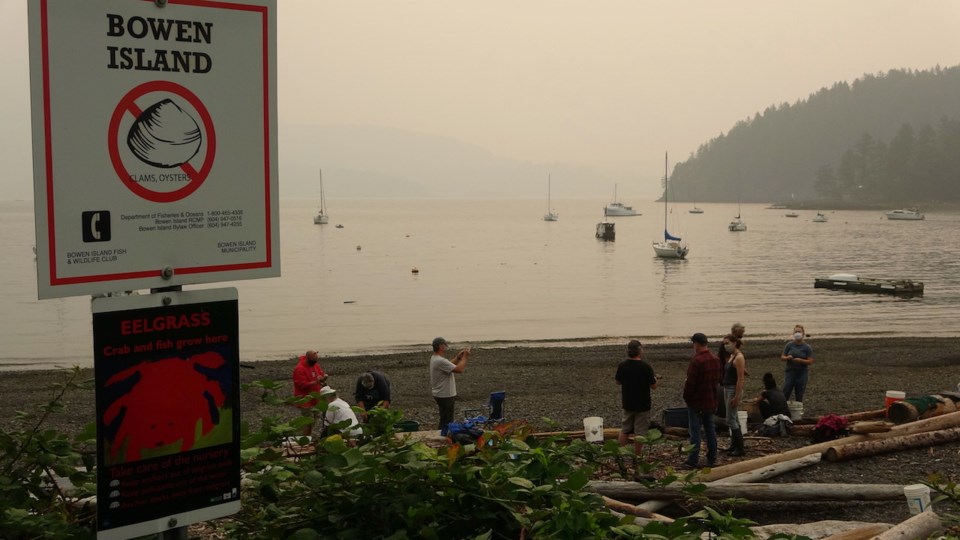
x=35, y=500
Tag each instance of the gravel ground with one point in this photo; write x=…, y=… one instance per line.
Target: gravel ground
x=566, y=384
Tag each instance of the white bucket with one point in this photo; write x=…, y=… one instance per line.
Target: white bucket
x=796, y=410
x=593, y=428
x=918, y=497
x=742, y=418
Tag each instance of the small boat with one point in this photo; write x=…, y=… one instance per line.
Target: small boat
x=819, y=218
x=792, y=214
x=737, y=225
x=853, y=282
x=671, y=247
x=907, y=214
x=777, y=207
x=550, y=215
x=617, y=208
x=695, y=210
x=605, y=231
x=339, y=226
x=321, y=218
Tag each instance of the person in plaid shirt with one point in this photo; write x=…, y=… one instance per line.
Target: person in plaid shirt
x=700, y=394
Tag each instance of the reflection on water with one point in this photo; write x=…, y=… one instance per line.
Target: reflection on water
x=493, y=270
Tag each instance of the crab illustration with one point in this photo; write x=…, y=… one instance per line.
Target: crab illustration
x=163, y=406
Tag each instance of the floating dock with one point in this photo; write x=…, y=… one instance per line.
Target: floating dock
x=850, y=282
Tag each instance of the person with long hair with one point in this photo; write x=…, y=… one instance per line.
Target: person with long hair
x=734, y=370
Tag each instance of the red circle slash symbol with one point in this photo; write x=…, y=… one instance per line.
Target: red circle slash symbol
x=163, y=136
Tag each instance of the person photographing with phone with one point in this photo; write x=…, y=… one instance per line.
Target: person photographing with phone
x=443, y=382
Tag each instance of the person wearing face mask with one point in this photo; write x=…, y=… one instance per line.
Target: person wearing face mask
x=737, y=330
x=308, y=378
x=734, y=370
x=798, y=355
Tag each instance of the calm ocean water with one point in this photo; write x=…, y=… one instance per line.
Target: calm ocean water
x=492, y=271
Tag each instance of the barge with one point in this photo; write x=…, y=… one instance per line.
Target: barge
x=853, y=282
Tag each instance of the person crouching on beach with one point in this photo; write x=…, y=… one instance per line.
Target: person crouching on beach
x=308, y=377
x=373, y=390
x=772, y=401
x=700, y=394
x=443, y=383
x=636, y=379
x=798, y=355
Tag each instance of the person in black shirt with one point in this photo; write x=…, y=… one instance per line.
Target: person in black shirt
x=636, y=379
x=772, y=401
x=373, y=389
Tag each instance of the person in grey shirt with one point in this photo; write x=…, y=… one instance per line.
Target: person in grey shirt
x=443, y=382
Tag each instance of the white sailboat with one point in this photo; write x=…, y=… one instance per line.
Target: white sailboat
x=321, y=218
x=672, y=247
x=550, y=215
x=737, y=225
x=819, y=218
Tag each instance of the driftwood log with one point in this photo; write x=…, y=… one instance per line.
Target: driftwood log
x=876, y=426
x=865, y=532
x=894, y=444
x=829, y=529
x=629, y=509
x=755, y=475
x=631, y=491
x=921, y=525
x=930, y=424
x=904, y=411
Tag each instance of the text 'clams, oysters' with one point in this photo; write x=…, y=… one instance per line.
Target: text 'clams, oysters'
x=165, y=135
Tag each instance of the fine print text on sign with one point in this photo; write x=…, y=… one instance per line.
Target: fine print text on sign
x=173, y=179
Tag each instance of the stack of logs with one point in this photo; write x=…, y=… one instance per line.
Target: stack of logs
x=870, y=435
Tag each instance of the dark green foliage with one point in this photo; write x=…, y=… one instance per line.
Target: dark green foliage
x=879, y=139
x=32, y=503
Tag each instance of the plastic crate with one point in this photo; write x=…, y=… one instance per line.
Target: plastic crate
x=675, y=417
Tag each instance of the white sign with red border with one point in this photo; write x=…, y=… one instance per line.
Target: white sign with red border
x=155, y=143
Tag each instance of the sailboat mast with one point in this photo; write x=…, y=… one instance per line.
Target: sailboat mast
x=323, y=208
x=666, y=193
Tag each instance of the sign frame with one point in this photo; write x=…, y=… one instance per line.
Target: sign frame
x=163, y=363
x=110, y=215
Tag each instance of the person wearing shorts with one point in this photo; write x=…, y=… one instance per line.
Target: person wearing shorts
x=636, y=378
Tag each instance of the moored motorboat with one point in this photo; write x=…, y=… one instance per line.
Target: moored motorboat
x=906, y=214
x=792, y=214
x=605, y=231
x=617, y=208
x=853, y=282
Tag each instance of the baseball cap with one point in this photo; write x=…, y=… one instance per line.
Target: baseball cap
x=700, y=338
x=438, y=342
x=326, y=391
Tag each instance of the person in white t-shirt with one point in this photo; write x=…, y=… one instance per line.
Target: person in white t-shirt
x=443, y=383
x=339, y=411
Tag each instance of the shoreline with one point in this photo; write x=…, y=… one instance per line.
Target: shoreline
x=32, y=365
x=569, y=383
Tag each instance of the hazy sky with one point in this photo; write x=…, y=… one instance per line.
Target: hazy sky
x=603, y=83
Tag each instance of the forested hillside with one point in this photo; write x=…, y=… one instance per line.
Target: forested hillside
x=883, y=138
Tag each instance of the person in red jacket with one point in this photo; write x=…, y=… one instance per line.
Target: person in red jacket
x=700, y=395
x=308, y=377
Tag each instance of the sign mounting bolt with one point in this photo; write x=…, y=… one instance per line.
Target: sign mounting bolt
x=167, y=272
